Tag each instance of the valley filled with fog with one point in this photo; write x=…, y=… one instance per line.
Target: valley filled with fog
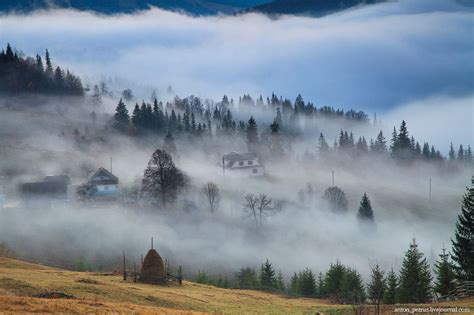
x=408, y=61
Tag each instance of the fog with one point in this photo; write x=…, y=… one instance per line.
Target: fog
x=302, y=234
x=374, y=57
x=406, y=60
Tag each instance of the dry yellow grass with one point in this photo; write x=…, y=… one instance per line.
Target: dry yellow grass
x=103, y=294
x=95, y=293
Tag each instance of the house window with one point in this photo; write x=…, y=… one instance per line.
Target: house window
x=250, y=162
x=255, y=171
x=241, y=163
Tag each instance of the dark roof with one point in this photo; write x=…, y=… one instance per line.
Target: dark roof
x=110, y=178
x=236, y=157
x=240, y=156
x=57, y=179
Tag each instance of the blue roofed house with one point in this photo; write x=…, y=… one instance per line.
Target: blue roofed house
x=106, y=184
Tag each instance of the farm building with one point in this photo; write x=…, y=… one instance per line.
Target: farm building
x=106, y=184
x=242, y=165
x=51, y=187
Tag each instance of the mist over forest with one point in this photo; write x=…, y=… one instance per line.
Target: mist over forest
x=374, y=100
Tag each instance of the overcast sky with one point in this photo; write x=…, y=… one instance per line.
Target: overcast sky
x=375, y=57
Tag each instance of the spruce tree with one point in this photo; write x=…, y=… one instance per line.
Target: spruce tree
x=49, y=66
x=415, y=277
x=252, y=134
x=307, y=283
x=365, y=209
x=452, y=153
x=390, y=291
x=295, y=284
x=323, y=146
x=267, y=275
x=380, y=145
x=463, y=243
x=121, y=117
x=445, y=275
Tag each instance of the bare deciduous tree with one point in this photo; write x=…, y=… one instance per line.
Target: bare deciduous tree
x=212, y=195
x=258, y=207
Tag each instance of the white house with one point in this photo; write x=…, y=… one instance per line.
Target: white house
x=106, y=183
x=242, y=165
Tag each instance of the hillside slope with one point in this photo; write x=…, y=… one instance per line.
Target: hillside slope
x=20, y=281
x=308, y=7
x=197, y=7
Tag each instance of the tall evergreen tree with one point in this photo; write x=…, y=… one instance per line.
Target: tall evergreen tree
x=323, y=146
x=49, y=65
x=380, y=144
x=365, y=209
x=452, y=153
x=461, y=153
x=267, y=275
x=307, y=283
x=121, y=117
x=463, y=243
x=445, y=276
x=252, y=134
x=390, y=291
x=415, y=277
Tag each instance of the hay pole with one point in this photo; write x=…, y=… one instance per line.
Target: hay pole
x=180, y=275
x=134, y=272
x=124, y=268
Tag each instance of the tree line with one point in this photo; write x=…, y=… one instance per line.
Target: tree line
x=19, y=75
x=402, y=147
x=413, y=283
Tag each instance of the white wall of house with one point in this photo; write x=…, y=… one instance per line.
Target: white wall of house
x=110, y=188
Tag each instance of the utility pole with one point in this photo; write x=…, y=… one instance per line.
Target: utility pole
x=430, y=188
x=111, y=165
x=333, y=178
x=223, y=167
x=151, y=242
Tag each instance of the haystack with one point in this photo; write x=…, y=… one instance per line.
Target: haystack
x=153, y=266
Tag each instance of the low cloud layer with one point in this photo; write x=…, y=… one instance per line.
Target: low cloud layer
x=372, y=57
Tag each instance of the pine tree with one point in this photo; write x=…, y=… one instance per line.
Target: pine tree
x=468, y=155
x=295, y=284
x=280, y=282
x=380, y=145
x=121, y=117
x=365, y=209
x=252, y=134
x=267, y=275
x=452, y=153
x=323, y=146
x=136, y=117
x=415, y=277
x=461, y=153
x=376, y=287
x=352, y=287
x=39, y=63
x=463, y=243
x=445, y=275
x=49, y=65
x=394, y=146
x=390, y=291
x=307, y=283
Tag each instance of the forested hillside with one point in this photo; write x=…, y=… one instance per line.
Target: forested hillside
x=27, y=75
x=309, y=7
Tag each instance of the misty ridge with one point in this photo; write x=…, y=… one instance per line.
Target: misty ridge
x=350, y=184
